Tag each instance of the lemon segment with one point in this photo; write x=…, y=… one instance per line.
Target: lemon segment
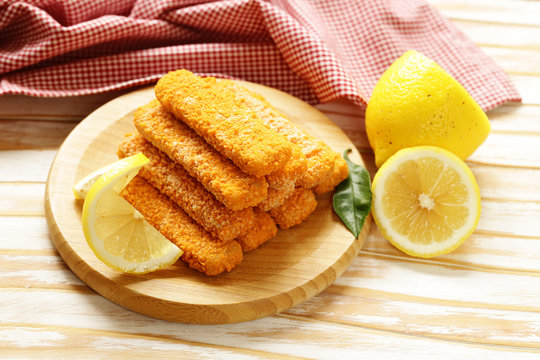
x=426, y=201
x=115, y=231
x=415, y=103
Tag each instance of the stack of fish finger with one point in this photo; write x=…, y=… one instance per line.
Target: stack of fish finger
x=226, y=169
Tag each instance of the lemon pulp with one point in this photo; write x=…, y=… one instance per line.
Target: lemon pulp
x=81, y=188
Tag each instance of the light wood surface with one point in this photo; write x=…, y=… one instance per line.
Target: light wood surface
x=292, y=267
x=480, y=302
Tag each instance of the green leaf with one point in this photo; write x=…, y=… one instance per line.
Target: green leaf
x=352, y=198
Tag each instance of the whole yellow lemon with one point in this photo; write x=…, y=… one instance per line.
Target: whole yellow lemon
x=417, y=103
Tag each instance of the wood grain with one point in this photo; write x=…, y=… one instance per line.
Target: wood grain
x=34, y=134
x=285, y=335
x=294, y=266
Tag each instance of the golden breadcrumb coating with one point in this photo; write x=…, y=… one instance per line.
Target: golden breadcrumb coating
x=202, y=252
x=320, y=158
x=340, y=173
x=264, y=229
x=320, y=166
x=275, y=198
x=175, y=182
x=234, y=188
x=212, y=112
x=295, y=209
x=287, y=176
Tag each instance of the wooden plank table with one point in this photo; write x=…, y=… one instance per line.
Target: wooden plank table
x=481, y=301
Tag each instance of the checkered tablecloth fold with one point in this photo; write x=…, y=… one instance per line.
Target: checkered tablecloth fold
x=318, y=50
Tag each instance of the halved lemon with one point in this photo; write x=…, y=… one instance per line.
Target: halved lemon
x=425, y=201
x=116, y=232
x=417, y=103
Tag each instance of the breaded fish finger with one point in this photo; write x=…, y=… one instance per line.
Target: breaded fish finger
x=202, y=252
x=296, y=166
x=340, y=173
x=213, y=114
x=175, y=182
x=264, y=229
x=234, y=188
x=320, y=158
x=295, y=209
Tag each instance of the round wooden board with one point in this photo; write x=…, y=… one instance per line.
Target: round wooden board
x=292, y=267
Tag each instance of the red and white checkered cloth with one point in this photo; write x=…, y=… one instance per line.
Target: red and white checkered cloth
x=318, y=50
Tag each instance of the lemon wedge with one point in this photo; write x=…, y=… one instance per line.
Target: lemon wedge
x=116, y=232
x=416, y=103
x=425, y=201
